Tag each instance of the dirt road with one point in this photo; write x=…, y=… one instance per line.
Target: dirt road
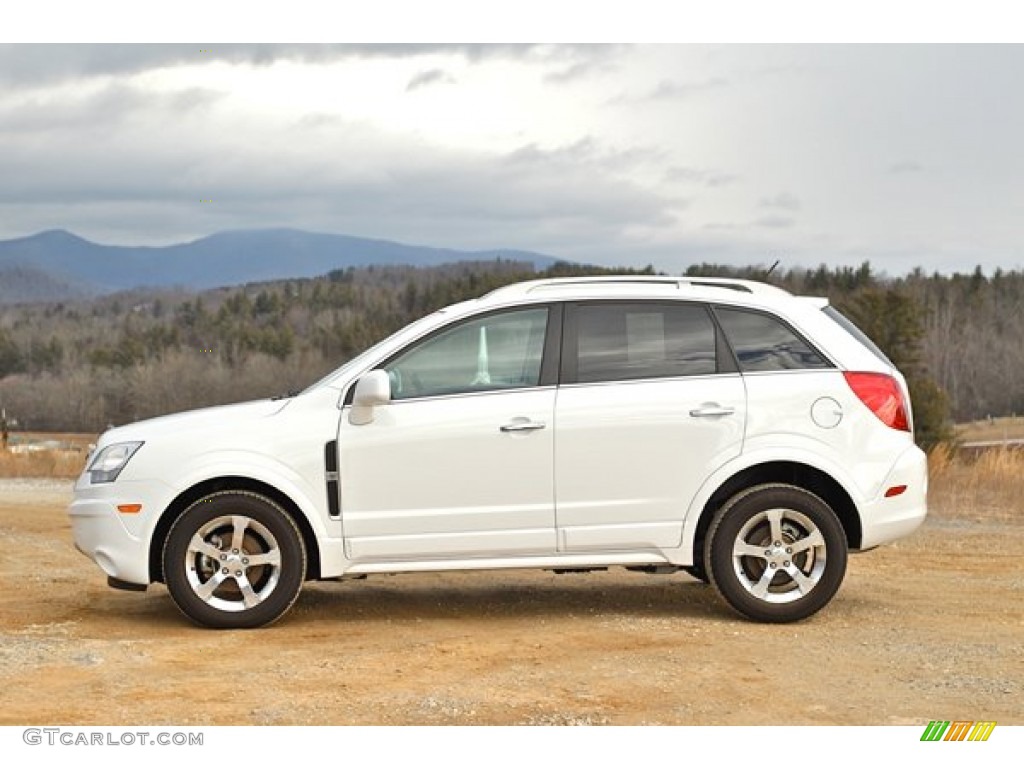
x=932, y=627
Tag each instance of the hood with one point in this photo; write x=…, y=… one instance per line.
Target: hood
x=221, y=419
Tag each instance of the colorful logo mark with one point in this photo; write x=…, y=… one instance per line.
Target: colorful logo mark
x=958, y=730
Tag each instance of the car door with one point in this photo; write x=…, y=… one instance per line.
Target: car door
x=650, y=405
x=459, y=462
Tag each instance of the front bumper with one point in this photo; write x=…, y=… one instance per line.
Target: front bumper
x=118, y=543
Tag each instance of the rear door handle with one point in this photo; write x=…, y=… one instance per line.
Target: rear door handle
x=522, y=426
x=712, y=410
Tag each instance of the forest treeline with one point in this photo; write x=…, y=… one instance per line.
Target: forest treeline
x=82, y=365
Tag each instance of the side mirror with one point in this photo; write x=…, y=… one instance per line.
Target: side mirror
x=372, y=389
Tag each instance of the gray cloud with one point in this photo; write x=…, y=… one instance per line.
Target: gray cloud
x=906, y=166
x=672, y=90
x=588, y=152
x=124, y=166
x=785, y=201
x=85, y=146
x=721, y=179
x=429, y=77
x=31, y=64
x=96, y=110
x=704, y=176
x=775, y=222
x=38, y=64
x=573, y=72
x=589, y=63
x=679, y=173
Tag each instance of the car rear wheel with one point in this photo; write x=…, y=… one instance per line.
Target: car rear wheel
x=234, y=560
x=776, y=553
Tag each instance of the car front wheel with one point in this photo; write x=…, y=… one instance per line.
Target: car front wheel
x=234, y=560
x=776, y=553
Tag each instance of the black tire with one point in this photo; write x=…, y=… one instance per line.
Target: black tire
x=776, y=553
x=234, y=560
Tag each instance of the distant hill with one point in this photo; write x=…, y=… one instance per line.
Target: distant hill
x=63, y=265
x=19, y=283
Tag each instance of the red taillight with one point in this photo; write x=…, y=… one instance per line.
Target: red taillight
x=882, y=394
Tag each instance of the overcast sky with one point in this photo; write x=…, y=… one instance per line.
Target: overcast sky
x=666, y=154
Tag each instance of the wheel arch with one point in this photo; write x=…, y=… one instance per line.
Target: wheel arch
x=231, y=483
x=793, y=473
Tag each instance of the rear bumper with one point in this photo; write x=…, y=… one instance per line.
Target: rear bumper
x=886, y=519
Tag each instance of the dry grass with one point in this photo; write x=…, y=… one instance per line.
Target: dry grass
x=985, y=486
x=1004, y=428
x=45, y=454
x=68, y=440
x=62, y=464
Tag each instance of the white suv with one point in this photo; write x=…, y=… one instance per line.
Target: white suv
x=721, y=427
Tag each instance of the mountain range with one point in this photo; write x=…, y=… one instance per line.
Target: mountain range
x=57, y=265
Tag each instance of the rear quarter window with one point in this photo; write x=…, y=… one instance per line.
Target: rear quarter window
x=848, y=325
x=762, y=342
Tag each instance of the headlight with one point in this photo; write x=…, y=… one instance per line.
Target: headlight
x=110, y=461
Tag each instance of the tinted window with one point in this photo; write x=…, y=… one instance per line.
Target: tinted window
x=764, y=343
x=848, y=325
x=499, y=351
x=616, y=342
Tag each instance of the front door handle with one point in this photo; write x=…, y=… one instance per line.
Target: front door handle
x=522, y=426
x=713, y=409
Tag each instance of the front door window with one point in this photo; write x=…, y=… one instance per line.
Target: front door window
x=498, y=351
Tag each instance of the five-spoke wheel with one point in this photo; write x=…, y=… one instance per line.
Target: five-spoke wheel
x=233, y=560
x=776, y=553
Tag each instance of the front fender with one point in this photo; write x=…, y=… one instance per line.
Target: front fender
x=309, y=495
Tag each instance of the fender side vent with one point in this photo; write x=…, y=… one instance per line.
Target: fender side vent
x=331, y=467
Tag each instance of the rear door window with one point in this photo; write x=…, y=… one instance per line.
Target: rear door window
x=622, y=341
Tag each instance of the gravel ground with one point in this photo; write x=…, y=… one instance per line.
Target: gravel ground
x=932, y=627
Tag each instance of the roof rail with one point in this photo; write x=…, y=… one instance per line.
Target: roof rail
x=744, y=286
